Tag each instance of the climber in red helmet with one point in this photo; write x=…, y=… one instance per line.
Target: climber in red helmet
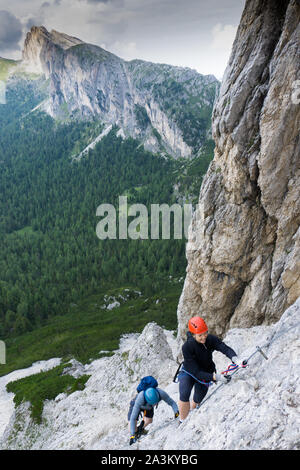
x=198, y=368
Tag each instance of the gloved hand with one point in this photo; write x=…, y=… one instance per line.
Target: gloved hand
x=222, y=378
x=132, y=440
x=176, y=414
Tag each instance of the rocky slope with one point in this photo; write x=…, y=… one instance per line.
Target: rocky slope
x=258, y=409
x=244, y=244
x=168, y=108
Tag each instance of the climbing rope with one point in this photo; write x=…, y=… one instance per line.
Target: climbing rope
x=231, y=368
x=203, y=382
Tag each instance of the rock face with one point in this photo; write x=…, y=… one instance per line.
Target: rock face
x=106, y=399
x=168, y=108
x=259, y=409
x=244, y=241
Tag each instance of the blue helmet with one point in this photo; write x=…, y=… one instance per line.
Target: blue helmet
x=151, y=396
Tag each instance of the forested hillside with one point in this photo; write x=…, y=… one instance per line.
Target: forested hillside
x=50, y=255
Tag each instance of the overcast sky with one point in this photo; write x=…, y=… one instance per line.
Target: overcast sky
x=190, y=33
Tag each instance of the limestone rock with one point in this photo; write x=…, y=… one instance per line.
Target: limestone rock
x=156, y=103
x=243, y=250
x=258, y=410
x=152, y=354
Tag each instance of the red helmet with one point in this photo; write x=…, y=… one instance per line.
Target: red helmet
x=197, y=325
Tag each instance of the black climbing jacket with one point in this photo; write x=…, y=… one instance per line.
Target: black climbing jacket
x=198, y=357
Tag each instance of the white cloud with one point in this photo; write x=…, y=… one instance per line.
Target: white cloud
x=189, y=33
x=223, y=36
x=125, y=50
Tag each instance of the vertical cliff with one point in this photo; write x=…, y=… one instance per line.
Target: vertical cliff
x=168, y=108
x=244, y=241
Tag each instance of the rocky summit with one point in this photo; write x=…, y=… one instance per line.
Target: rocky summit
x=168, y=108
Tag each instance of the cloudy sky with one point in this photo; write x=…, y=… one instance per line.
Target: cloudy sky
x=190, y=33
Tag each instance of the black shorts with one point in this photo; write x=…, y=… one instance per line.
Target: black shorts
x=148, y=413
x=186, y=383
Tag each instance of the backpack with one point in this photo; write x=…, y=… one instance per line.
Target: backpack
x=147, y=382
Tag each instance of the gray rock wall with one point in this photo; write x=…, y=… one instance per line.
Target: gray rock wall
x=244, y=241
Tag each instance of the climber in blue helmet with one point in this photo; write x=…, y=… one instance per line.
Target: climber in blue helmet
x=144, y=404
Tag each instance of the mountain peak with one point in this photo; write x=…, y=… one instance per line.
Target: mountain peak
x=64, y=40
x=140, y=97
x=38, y=40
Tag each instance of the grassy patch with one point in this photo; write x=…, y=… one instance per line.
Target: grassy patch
x=28, y=230
x=88, y=329
x=5, y=66
x=44, y=386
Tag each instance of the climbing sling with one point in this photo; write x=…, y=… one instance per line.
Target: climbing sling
x=183, y=371
x=231, y=367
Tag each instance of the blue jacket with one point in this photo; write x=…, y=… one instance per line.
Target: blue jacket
x=198, y=357
x=141, y=404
